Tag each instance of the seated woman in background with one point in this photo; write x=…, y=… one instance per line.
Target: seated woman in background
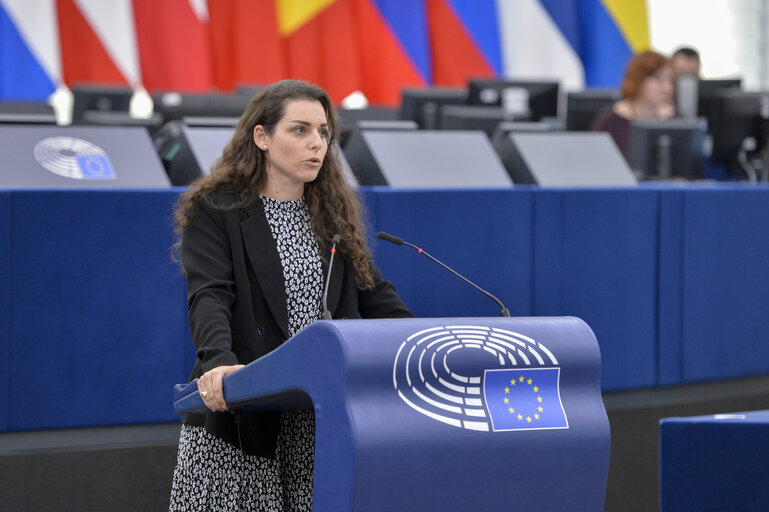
x=647, y=93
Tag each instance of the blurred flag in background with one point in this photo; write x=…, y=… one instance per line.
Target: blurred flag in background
x=377, y=47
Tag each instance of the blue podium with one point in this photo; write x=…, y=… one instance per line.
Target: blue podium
x=715, y=462
x=461, y=414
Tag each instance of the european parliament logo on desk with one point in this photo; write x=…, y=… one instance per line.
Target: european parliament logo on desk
x=479, y=378
x=74, y=158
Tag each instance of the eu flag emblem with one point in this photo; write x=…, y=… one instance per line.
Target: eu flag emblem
x=524, y=399
x=95, y=167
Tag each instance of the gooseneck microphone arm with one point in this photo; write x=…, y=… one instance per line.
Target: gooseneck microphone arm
x=399, y=241
x=326, y=313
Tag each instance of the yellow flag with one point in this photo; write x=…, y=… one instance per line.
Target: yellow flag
x=631, y=18
x=292, y=14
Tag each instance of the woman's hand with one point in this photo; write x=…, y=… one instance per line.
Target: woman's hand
x=210, y=386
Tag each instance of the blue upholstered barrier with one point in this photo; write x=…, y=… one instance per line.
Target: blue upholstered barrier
x=725, y=284
x=715, y=463
x=5, y=305
x=673, y=280
x=596, y=258
x=669, y=303
x=483, y=234
x=98, y=311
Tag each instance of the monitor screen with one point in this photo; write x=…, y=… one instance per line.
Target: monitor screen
x=423, y=105
x=738, y=118
x=347, y=118
x=530, y=100
x=472, y=117
x=708, y=92
x=583, y=106
x=174, y=105
x=670, y=148
x=102, y=99
x=26, y=113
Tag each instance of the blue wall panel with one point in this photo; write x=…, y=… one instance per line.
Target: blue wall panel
x=547, y=296
x=726, y=283
x=485, y=235
x=5, y=306
x=606, y=270
x=669, y=304
x=97, y=309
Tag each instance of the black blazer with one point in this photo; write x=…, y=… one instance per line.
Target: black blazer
x=238, y=306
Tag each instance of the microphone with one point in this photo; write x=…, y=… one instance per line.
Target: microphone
x=326, y=313
x=399, y=241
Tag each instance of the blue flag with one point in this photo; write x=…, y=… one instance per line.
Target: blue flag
x=524, y=399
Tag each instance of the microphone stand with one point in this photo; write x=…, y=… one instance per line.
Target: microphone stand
x=399, y=241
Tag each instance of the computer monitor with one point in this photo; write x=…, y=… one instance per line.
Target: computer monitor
x=175, y=105
x=100, y=99
x=533, y=100
x=354, y=138
x=669, y=148
x=423, y=105
x=79, y=157
x=708, y=92
x=582, y=107
x=26, y=113
x=472, y=117
x=425, y=159
x=347, y=118
x=187, y=152
x=740, y=120
x=99, y=118
x=564, y=159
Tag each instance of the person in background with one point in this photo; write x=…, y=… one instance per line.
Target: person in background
x=647, y=93
x=255, y=240
x=686, y=61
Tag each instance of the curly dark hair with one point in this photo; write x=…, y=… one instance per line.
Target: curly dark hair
x=333, y=205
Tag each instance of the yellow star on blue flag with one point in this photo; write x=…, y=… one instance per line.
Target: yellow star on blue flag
x=534, y=403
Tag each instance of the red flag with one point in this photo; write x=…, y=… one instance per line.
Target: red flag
x=247, y=48
x=174, y=46
x=322, y=49
x=385, y=65
x=84, y=58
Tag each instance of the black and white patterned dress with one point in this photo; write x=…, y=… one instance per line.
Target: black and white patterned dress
x=210, y=473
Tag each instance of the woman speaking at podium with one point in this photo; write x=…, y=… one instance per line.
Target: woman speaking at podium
x=256, y=236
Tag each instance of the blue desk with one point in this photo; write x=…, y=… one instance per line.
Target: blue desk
x=673, y=280
x=715, y=463
x=98, y=317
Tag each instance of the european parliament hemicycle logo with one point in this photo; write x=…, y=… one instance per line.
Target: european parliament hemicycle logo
x=480, y=378
x=74, y=158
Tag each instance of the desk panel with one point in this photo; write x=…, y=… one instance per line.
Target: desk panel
x=5, y=306
x=715, y=463
x=725, y=295
x=596, y=258
x=484, y=235
x=97, y=307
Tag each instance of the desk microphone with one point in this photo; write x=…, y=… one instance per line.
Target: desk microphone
x=399, y=241
x=326, y=313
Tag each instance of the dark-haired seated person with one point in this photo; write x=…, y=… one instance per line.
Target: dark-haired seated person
x=647, y=93
x=686, y=61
